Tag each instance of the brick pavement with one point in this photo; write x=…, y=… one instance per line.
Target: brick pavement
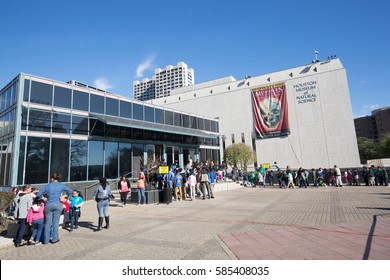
x=247, y=223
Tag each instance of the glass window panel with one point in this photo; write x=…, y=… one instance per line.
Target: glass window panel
x=3, y=101
x=159, y=116
x=169, y=117
x=95, y=160
x=8, y=152
x=97, y=104
x=97, y=128
x=78, y=160
x=207, y=125
x=213, y=126
x=60, y=157
x=6, y=124
x=21, y=160
x=112, y=131
x=37, y=160
x=2, y=125
x=80, y=100
x=14, y=93
x=149, y=114
x=62, y=97
x=1, y=98
x=137, y=158
x=125, y=109
x=137, y=134
x=61, y=123
x=125, y=159
x=12, y=121
x=111, y=161
x=200, y=123
x=39, y=120
x=26, y=90
x=177, y=119
x=138, y=112
x=41, y=93
x=9, y=97
x=112, y=106
x=193, y=122
x=79, y=125
x=3, y=159
x=125, y=132
x=186, y=120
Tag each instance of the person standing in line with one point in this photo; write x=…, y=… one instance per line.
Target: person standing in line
x=204, y=181
x=35, y=218
x=178, y=182
x=212, y=182
x=53, y=207
x=102, y=196
x=192, y=183
x=23, y=202
x=76, y=201
x=124, y=188
x=337, y=174
x=141, y=188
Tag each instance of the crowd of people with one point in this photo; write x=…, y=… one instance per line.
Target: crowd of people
x=40, y=211
x=302, y=178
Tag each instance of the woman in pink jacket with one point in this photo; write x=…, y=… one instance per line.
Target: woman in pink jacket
x=35, y=217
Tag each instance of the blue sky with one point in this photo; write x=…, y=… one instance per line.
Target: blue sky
x=112, y=43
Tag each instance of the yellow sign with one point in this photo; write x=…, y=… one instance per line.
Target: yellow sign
x=163, y=169
x=266, y=165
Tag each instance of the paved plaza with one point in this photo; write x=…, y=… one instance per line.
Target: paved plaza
x=244, y=223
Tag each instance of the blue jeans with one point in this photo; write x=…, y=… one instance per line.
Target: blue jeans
x=141, y=192
x=21, y=230
x=38, y=228
x=102, y=207
x=52, y=215
x=170, y=184
x=74, y=218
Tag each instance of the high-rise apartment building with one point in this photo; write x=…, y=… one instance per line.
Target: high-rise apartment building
x=164, y=80
x=375, y=126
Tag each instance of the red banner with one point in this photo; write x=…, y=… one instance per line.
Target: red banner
x=270, y=111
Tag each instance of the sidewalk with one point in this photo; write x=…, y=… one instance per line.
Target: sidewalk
x=242, y=223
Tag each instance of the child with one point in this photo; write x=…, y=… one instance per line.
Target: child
x=35, y=218
x=64, y=219
x=76, y=201
x=192, y=183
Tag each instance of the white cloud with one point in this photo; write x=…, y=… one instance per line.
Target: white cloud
x=102, y=83
x=367, y=109
x=145, y=65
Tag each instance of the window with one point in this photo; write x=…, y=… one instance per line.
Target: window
x=41, y=93
x=80, y=100
x=79, y=125
x=149, y=113
x=61, y=123
x=112, y=106
x=39, y=120
x=125, y=109
x=37, y=160
x=207, y=125
x=159, y=116
x=169, y=117
x=243, y=138
x=26, y=91
x=111, y=160
x=186, y=120
x=200, y=123
x=233, y=141
x=138, y=112
x=62, y=97
x=95, y=160
x=125, y=159
x=78, y=160
x=60, y=157
x=97, y=104
x=177, y=119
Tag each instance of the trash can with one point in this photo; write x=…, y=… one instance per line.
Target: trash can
x=166, y=195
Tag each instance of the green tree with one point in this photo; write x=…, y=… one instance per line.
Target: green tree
x=368, y=149
x=239, y=154
x=384, y=146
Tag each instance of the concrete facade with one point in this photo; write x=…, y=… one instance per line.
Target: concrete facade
x=322, y=127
